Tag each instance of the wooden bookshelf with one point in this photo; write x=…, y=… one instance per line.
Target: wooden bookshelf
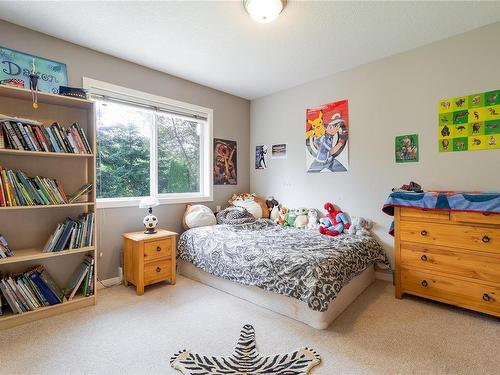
x=24, y=255
x=44, y=154
x=27, y=228
x=76, y=204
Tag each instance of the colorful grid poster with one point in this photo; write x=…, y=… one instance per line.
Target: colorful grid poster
x=470, y=123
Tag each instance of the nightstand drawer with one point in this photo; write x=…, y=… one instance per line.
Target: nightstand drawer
x=157, y=249
x=157, y=271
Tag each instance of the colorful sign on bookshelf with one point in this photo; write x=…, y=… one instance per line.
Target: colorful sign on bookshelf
x=470, y=123
x=16, y=66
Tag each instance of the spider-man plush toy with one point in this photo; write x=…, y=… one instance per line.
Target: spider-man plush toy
x=335, y=221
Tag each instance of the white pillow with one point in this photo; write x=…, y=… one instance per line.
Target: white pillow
x=251, y=206
x=199, y=215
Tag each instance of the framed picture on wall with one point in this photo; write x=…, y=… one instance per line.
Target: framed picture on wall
x=279, y=151
x=225, y=162
x=261, y=156
x=406, y=148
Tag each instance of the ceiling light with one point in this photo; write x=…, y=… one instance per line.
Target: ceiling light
x=264, y=11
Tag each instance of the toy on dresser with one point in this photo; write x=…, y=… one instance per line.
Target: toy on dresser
x=335, y=222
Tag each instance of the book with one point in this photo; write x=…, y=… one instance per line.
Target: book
x=81, y=279
x=83, y=190
x=72, y=234
x=4, y=247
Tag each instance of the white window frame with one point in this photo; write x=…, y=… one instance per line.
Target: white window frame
x=206, y=140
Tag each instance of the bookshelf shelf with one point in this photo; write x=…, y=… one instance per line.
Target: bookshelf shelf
x=45, y=98
x=9, y=151
x=26, y=228
x=9, y=319
x=79, y=204
x=23, y=255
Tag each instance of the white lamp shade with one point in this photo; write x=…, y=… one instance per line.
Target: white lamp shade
x=149, y=202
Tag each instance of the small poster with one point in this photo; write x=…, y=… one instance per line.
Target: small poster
x=225, y=162
x=261, y=157
x=406, y=147
x=327, y=133
x=278, y=151
x=469, y=123
x=17, y=66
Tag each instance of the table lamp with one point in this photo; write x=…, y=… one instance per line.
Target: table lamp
x=150, y=221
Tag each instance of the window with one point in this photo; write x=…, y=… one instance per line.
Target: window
x=150, y=146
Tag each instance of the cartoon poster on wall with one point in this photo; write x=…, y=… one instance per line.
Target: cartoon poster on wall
x=469, y=123
x=225, y=162
x=406, y=148
x=261, y=157
x=327, y=133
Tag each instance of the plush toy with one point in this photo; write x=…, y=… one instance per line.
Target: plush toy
x=290, y=217
x=335, y=221
x=274, y=213
x=313, y=219
x=281, y=220
x=273, y=207
x=301, y=219
x=360, y=226
x=252, y=203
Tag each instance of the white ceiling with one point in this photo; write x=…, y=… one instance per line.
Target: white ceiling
x=218, y=45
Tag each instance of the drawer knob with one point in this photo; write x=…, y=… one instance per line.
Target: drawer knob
x=158, y=248
x=424, y=283
x=486, y=297
x=486, y=239
x=423, y=233
x=424, y=258
x=158, y=269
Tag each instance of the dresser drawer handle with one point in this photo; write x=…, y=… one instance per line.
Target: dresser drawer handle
x=423, y=233
x=486, y=239
x=158, y=269
x=158, y=248
x=424, y=283
x=424, y=258
x=486, y=297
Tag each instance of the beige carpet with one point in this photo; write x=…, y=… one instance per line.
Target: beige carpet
x=127, y=334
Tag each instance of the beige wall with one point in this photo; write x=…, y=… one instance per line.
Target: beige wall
x=394, y=96
x=231, y=121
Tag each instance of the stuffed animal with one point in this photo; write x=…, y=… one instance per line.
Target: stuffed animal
x=281, y=220
x=273, y=207
x=313, y=219
x=360, y=226
x=253, y=204
x=301, y=219
x=274, y=215
x=290, y=217
x=335, y=221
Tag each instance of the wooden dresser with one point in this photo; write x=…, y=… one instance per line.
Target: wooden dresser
x=149, y=258
x=451, y=257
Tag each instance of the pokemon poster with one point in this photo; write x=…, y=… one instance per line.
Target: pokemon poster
x=225, y=162
x=327, y=133
x=406, y=147
x=469, y=123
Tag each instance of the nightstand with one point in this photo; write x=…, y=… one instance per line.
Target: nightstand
x=149, y=258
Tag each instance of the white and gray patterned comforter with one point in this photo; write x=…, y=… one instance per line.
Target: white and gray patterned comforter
x=299, y=263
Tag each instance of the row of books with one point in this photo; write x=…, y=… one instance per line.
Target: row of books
x=5, y=250
x=18, y=189
x=72, y=234
x=35, y=288
x=30, y=135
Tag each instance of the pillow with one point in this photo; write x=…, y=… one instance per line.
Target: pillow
x=252, y=203
x=198, y=215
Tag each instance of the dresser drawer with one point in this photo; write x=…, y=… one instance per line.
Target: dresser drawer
x=458, y=236
x=157, y=271
x=447, y=260
x=418, y=213
x=457, y=292
x=157, y=249
x=476, y=217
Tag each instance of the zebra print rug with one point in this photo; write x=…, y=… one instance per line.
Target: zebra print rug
x=246, y=360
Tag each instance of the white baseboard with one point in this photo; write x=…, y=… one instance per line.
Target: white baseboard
x=109, y=282
x=386, y=276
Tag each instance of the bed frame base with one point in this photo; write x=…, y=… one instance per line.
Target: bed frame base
x=281, y=304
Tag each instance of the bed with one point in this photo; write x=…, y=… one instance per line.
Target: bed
x=296, y=272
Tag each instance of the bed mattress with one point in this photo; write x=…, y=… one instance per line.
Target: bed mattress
x=297, y=263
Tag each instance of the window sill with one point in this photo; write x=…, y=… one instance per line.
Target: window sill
x=134, y=202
